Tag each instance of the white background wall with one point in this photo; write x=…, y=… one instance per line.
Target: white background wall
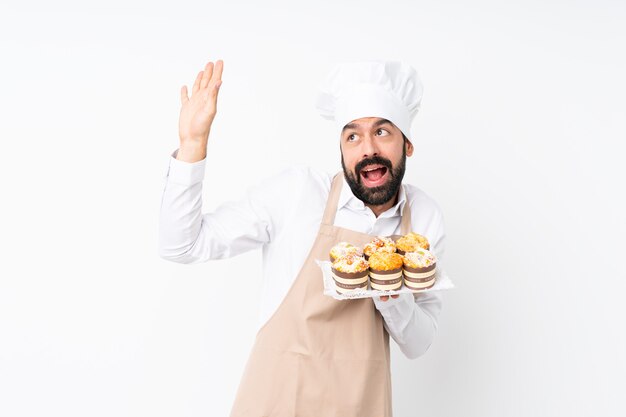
x=520, y=140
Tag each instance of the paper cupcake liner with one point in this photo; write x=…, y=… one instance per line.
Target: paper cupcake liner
x=441, y=282
x=386, y=280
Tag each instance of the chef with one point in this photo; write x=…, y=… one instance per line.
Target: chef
x=314, y=355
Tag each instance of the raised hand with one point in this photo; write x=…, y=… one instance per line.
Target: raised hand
x=198, y=112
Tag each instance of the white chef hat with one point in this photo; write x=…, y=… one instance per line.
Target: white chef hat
x=391, y=90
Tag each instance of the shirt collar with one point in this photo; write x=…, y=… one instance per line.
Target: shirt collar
x=348, y=199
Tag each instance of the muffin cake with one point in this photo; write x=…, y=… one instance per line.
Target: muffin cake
x=385, y=270
x=419, y=269
x=379, y=244
x=342, y=249
x=411, y=242
x=350, y=272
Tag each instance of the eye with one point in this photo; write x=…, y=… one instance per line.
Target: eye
x=382, y=130
x=351, y=138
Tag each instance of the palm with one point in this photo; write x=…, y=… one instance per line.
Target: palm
x=198, y=111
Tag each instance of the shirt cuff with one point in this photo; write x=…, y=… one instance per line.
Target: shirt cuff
x=185, y=173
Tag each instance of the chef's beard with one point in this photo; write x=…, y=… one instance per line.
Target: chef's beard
x=376, y=196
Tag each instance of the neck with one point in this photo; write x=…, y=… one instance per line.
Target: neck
x=378, y=210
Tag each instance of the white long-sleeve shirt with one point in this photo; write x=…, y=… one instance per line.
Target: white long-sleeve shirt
x=281, y=216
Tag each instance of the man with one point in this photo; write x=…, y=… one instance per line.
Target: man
x=314, y=355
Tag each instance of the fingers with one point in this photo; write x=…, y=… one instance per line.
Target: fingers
x=196, y=85
x=215, y=91
x=215, y=83
x=206, y=76
x=213, y=76
x=386, y=297
x=210, y=77
x=183, y=95
x=217, y=76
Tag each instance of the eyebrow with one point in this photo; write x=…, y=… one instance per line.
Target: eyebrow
x=355, y=125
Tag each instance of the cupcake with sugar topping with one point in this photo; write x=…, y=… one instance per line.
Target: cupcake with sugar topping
x=342, y=249
x=350, y=272
x=379, y=244
x=386, y=270
x=419, y=269
x=411, y=242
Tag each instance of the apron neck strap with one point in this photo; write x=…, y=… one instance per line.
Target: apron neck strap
x=333, y=199
x=405, y=225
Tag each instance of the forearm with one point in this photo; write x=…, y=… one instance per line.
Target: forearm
x=410, y=321
x=192, y=151
x=180, y=217
x=186, y=235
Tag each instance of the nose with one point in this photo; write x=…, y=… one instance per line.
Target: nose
x=370, y=147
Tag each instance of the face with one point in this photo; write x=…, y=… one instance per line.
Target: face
x=373, y=156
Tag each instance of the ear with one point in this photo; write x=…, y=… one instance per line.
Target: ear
x=409, y=148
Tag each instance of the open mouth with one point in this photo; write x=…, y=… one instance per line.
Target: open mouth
x=374, y=175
